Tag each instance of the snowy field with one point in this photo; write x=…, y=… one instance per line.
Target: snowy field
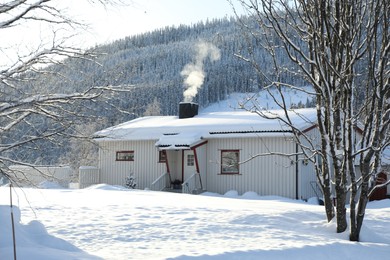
x=107, y=222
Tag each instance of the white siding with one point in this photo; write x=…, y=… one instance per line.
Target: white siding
x=88, y=176
x=266, y=175
x=26, y=176
x=201, y=153
x=307, y=175
x=175, y=164
x=145, y=166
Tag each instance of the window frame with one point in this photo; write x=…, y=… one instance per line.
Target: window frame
x=162, y=156
x=124, y=158
x=191, y=158
x=225, y=171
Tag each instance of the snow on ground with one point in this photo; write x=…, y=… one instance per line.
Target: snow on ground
x=111, y=222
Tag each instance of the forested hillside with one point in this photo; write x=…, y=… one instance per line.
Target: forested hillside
x=152, y=63
x=150, y=66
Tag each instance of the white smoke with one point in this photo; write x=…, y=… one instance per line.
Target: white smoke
x=193, y=73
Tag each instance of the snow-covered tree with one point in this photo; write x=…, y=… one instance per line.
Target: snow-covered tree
x=341, y=48
x=153, y=109
x=32, y=116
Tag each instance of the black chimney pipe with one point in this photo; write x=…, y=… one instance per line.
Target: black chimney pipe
x=187, y=109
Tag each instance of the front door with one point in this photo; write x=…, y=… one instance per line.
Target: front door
x=189, y=166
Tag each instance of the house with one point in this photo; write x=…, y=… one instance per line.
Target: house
x=217, y=152
x=383, y=177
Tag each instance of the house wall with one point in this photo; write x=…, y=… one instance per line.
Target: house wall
x=266, y=175
x=88, y=176
x=175, y=161
x=308, y=185
x=26, y=176
x=201, y=153
x=145, y=166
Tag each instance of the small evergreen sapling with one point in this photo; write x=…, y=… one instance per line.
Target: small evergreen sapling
x=130, y=182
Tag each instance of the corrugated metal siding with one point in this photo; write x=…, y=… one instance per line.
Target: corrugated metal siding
x=175, y=164
x=266, y=175
x=201, y=153
x=307, y=174
x=88, y=176
x=26, y=176
x=145, y=166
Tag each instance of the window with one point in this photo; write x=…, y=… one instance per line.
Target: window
x=229, y=161
x=125, y=156
x=190, y=160
x=162, y=156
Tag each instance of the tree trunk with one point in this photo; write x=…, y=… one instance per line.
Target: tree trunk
x=341, y=212
x=363, y=199
x=328, y=203
x=326, y=189
x=353, y=236
x=355, y=229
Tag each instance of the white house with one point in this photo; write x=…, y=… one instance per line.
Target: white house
x=217, y=152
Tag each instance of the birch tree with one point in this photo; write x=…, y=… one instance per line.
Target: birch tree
x=30, y=112
x=341, y=48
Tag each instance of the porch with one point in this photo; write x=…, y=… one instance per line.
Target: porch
x=192, y=185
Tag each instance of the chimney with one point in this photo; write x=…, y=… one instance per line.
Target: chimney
x=187, y=109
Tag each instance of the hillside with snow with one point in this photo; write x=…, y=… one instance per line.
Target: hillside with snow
x=267, y=99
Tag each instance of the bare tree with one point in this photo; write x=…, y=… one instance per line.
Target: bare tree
x=341, y=48
x=30, y=114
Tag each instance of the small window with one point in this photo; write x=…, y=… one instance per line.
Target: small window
x=125, y=156
x=230, y=161
x=190, y=160
x=162, y=156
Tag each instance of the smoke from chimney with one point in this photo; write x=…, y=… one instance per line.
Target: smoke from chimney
x=193, y=73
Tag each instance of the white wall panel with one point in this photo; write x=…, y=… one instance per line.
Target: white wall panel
x=266, y=175
x=26, y=176
x=145, y=166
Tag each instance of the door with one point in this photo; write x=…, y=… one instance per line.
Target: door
x=189, y=164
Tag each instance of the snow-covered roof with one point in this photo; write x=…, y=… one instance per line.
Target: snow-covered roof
x=172, y=132
x=179, y=140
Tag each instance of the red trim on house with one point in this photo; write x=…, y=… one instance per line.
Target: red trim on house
x=357, y=129
x=129, y=159
x=309, y=128
x=360, y=131
x=196, y=156
x=198, y=145
x=227, y=151
x=196, y=161
x=166, y=162
x=162, y=156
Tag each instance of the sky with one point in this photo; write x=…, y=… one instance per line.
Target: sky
x=106, y=23
x=133, y=17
